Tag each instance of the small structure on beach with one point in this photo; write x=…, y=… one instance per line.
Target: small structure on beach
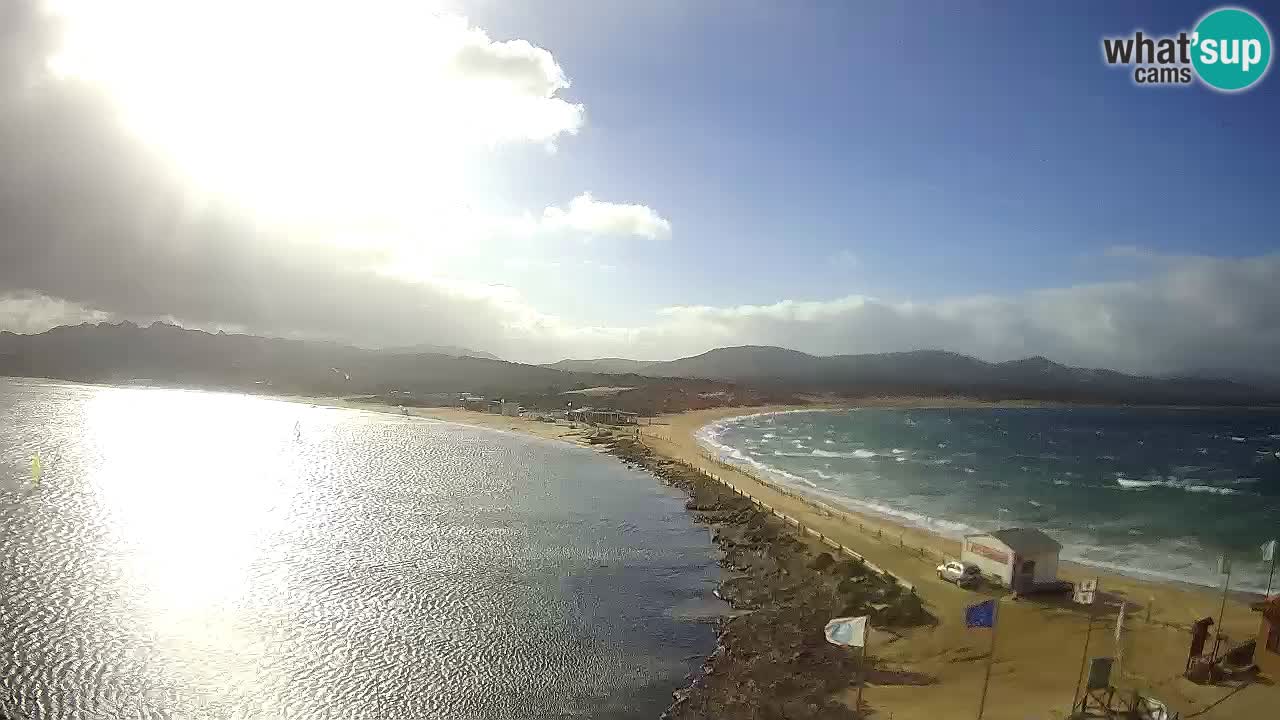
x=476, y=403
x=1023, y=559
x=511, y=409
x=601, y=417
x=1266, y=654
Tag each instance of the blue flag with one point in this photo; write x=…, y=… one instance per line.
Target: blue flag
x=982, y=615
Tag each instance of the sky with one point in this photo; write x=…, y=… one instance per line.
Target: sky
x=551, y=179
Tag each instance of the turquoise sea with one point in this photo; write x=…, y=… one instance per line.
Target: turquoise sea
x=1155, y=492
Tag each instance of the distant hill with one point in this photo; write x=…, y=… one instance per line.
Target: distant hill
x=929, y=372
x=169, y=354
x=450, y=350
x=620, y=366
x=1257, y=378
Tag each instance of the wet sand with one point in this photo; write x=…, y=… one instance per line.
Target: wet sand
x=1040, y=642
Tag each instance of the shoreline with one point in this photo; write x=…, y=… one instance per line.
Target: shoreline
x=1036, y=669
x=826, y=500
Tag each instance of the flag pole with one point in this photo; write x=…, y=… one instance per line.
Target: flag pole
x=862, y=673
x=1217, y=640
x=991, y=656
x=1272, y=576
x=1120, y=642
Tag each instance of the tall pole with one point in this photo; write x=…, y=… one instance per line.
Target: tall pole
x=1272, y=576
x=991, y=656
x=862, y=674
x=1217, y=640
x=1119, y=642
x=1084, y=654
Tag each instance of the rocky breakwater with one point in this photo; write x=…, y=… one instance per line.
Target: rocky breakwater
x=772, y=659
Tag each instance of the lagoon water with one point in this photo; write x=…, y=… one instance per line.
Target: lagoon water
x=1157, y=492
x=207, y=555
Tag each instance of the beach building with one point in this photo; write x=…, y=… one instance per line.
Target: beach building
x=1266, y=655
x=511, y=409
x=474, y=402
x=1020, y=558
x=602, y=417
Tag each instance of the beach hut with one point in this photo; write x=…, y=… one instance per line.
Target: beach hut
x=1020, y=558
x=1266, y=654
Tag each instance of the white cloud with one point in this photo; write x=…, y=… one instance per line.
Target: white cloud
x=28, y=312
x=95, y=226
x=299, y=111
x=1193, y=313
x=587, y=215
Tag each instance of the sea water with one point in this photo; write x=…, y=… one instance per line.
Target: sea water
x=206, y=555
x=1155, y=492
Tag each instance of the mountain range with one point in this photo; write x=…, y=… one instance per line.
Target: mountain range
x=168, y=354
x=924, y=372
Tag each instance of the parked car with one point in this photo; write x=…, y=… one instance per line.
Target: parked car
x=959, y=573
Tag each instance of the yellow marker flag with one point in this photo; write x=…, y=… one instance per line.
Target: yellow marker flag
x=35, y=470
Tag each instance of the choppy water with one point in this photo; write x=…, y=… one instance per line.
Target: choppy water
x=201, y=555
x=1152, y=491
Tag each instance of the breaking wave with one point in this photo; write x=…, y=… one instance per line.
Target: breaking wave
x=1184, y=485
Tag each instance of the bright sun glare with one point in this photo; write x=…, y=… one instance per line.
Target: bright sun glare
x=357, y=120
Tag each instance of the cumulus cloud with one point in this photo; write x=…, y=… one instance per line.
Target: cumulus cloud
x=99, y=223
x=304, y=111
x=1192, y=313
x=27, y=312
x=585, y=214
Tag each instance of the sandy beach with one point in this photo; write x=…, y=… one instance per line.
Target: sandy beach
x=1040, y=643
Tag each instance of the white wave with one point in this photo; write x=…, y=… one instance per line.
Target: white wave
x=859, y=454
x=897, y=451
x=1184, y=485
x=768, y=436
x=1237, y=438
x=1245, y=480
x=829, y=442
x=900, y=459
x=1033, y=503
x=1060, y=481
x=941, y=526
x=1178, y=560
x=970, y=470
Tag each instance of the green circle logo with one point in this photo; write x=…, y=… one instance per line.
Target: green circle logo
x=1232, y=49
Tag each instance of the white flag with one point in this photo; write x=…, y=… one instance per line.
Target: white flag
x=1120, y=620
x=847, y=631
x=1084, y=591
x=1269, y=551
x=1224, y=565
